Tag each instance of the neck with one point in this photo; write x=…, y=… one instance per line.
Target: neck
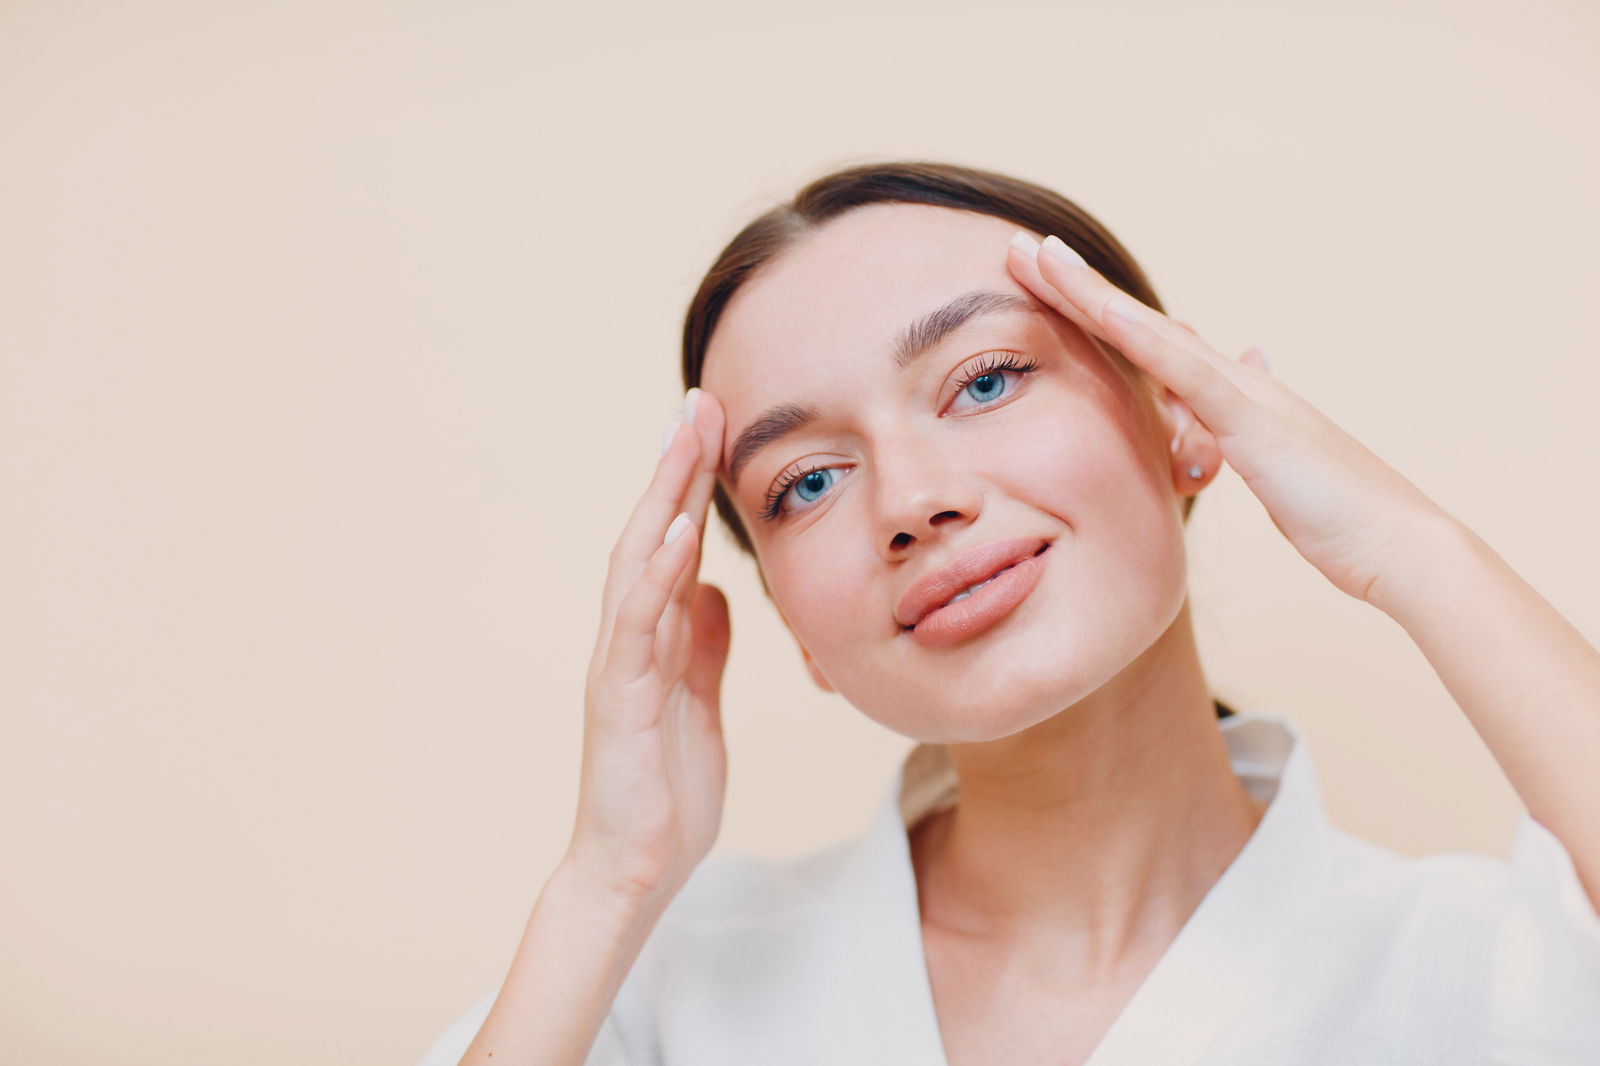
x=1097, y=831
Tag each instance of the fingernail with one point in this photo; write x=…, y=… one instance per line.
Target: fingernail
x=1025, y=243
x=679, y=524
x=1058, y=248
x=671, y=434
x=690, y=398
x=1264, y=360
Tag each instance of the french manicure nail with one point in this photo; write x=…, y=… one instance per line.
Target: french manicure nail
x=690, y=398
x=671, y=434
x=1025, y=243
x=1058, y=248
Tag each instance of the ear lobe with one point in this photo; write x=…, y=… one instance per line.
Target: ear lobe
x=1193, y=453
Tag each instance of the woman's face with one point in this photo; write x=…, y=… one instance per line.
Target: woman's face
x=916, y=469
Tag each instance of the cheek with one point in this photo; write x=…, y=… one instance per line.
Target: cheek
x=811, y=595
x=1078, y=456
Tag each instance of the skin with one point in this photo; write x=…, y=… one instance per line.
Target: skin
x=1080, y=725
x=1069, y=738
x=1097, y=804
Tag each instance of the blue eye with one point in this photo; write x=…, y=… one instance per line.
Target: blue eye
x=988, y=377
x=816, y=480
x=990, y=382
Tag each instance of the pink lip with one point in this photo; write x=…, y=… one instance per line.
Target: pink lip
x=931, y=590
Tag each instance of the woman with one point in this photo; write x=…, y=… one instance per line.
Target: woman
x=963, y=462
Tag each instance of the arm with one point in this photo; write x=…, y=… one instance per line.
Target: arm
x=580, y=942
x=654, y=768
x=1525, y=677
x=1527, y=680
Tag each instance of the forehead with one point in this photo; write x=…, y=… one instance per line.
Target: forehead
x=840, y=297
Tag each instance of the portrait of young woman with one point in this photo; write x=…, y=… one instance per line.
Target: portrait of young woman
x=942, y=411
x=867, y=533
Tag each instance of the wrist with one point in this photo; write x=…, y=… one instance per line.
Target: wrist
x=1437, y=548
x=623, y=902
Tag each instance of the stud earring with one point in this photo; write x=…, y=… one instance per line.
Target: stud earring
x=1195, y=471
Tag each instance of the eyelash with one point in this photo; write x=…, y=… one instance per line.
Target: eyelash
x=994, y=363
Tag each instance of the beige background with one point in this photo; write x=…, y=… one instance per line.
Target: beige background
x=336, y=341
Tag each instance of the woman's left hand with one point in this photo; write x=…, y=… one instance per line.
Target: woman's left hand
x=1350, y=514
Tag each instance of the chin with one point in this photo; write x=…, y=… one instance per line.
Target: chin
x=1061, y=656
x=973, y=713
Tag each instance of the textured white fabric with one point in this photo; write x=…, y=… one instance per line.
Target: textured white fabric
x=1314, y=946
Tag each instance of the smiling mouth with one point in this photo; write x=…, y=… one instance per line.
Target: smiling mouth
x=971, y=588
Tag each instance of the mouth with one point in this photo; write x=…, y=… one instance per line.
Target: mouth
x=980, y=604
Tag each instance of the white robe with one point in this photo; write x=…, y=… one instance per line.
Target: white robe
x=1314, y=946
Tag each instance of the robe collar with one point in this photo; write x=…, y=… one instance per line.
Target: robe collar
x=1218, y=963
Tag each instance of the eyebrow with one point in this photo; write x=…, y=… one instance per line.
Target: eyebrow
x=918, y=338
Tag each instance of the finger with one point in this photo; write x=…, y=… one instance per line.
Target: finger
x=1253, y=357
x=1175, y=355
x=656, y=506
x=1089, y=294
x=709, y=420
x=1023, y=261
x=1210, y=392
x=662, y=500
x=631, y=650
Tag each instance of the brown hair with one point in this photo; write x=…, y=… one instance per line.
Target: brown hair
x=914, y=182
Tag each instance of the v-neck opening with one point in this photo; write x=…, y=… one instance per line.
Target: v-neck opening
x=1222, y=949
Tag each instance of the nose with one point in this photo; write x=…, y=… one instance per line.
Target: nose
x=920, y=494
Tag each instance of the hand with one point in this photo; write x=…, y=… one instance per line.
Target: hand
x=654, y=762
x=1350, y=514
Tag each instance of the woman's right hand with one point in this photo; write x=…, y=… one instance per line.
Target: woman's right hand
x=654, y=762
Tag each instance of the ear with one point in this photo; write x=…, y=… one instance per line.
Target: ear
x=1189, y=444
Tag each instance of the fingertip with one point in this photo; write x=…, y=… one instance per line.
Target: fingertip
x=1024, y=242
x=707, y=411
x=1062, y=252
x=1027, y=268
x=679, y=524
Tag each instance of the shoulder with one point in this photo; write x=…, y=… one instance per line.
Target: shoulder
x=1364, y=870
x=742, y=887
x=1446, y=902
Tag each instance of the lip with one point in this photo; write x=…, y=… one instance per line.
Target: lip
x=931, y=590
